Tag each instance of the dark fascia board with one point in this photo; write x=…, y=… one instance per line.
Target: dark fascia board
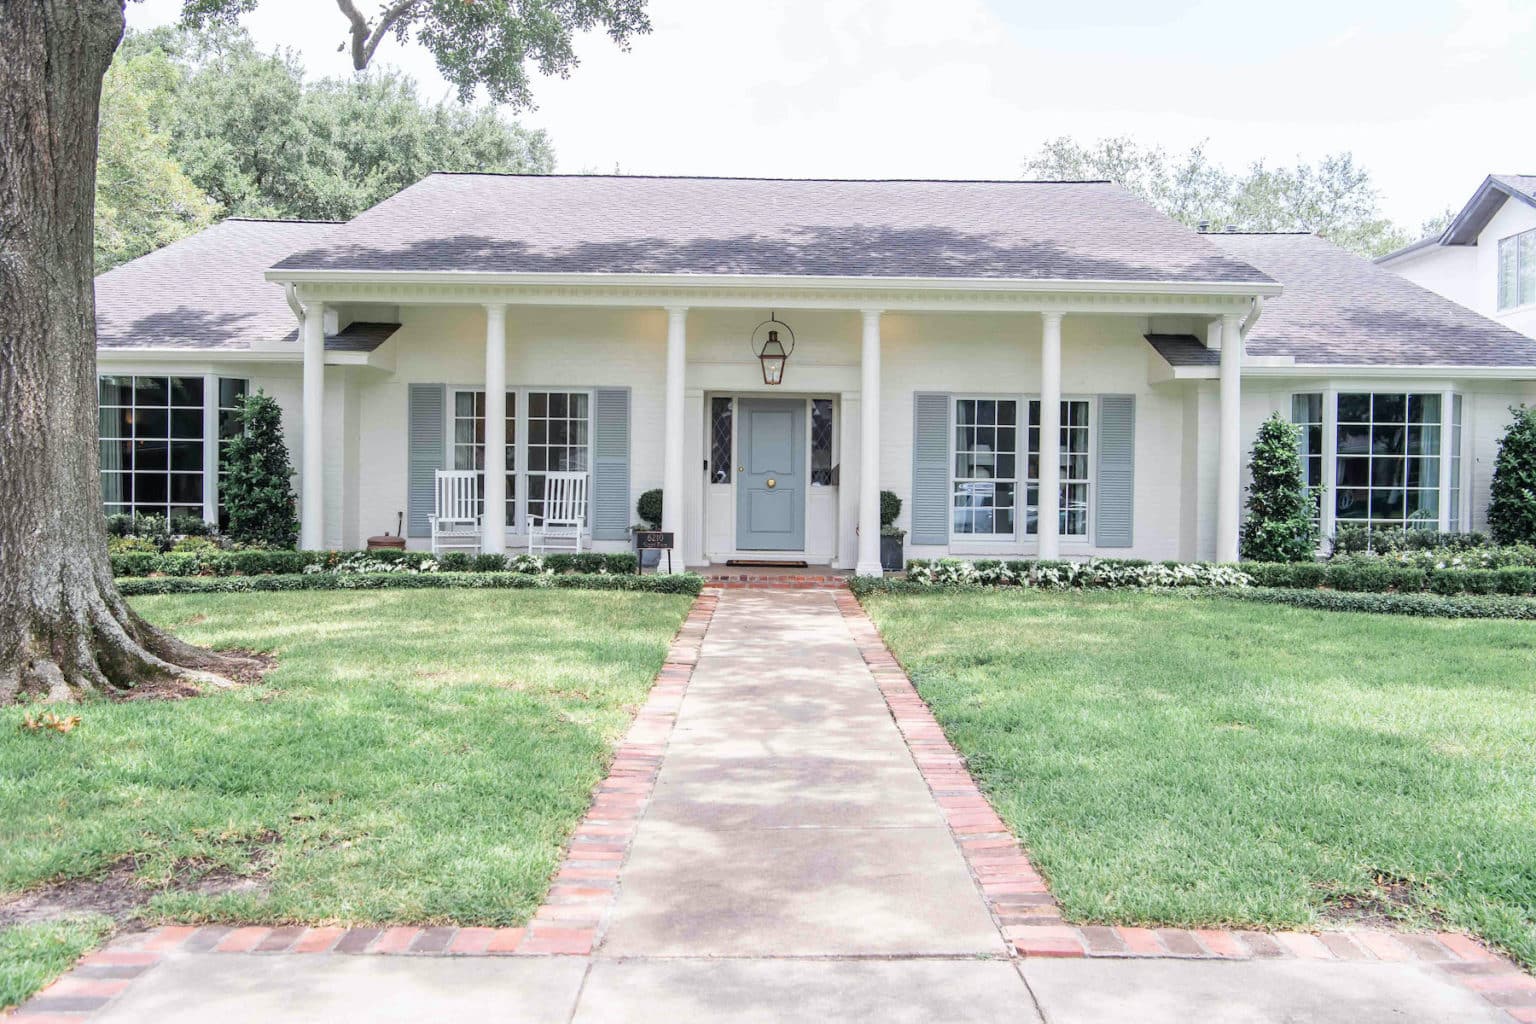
x=1485, y=202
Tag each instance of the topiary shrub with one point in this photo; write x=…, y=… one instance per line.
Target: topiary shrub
x=1279, y=526
x=890, y=508
x=649, y=507
x=1512, y=509
x=258, y=483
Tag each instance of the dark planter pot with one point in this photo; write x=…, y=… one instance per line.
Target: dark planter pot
x=893, y=553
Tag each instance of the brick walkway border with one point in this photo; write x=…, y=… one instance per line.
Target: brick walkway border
x=570, y=923
x=1030, y=919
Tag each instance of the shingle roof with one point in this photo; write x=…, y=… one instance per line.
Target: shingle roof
x=205, y=291
x=621, y=224
x=1183, y=350
x=1343, y=309
x=358, y=336
x=1523, y=185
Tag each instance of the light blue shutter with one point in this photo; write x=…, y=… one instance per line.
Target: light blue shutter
x=1115, y=513
x=425, y=416
x=930, y=469
x=610, y=464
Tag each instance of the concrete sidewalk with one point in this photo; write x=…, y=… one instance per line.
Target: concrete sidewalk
x=791, y=864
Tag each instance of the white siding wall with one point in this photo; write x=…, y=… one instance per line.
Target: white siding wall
x=1469, y=274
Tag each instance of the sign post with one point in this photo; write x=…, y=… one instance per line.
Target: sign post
x=652, y=540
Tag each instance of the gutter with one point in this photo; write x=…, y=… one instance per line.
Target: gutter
x=291, y=293
x=770, y=281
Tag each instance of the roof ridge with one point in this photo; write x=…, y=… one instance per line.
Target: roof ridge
x=730, y=177
x=280, y=220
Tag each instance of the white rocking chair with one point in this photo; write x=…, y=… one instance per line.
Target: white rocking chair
x=565, y=512
x=456, y=518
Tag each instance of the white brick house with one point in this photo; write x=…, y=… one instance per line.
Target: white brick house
x=937, y=327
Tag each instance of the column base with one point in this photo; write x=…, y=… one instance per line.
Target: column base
x=868, y=569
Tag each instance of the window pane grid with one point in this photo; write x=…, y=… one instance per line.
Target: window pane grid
x=1388, y=460
x=1517, y=270
x=1073, y=467
x=985, y=470
x=151, y=450
x=469, y=444
x=1453, y=499
x=231, y=391
x=557, y=440
x=1307, y=413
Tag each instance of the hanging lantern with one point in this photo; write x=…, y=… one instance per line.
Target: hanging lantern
x=771, y=352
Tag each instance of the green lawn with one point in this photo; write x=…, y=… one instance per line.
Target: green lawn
x=1188, y=760
x=416, y=756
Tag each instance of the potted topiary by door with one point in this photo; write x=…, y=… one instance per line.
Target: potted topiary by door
x=649, y=508
x=892, y=540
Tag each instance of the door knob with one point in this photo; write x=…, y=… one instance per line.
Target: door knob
x=771, y=483
x=741, y=469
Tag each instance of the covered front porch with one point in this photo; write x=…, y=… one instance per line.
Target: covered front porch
x=653, y=385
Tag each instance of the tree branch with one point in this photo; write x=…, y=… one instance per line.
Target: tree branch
x=366, y=38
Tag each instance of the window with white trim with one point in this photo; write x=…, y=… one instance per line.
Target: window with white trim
x=558, y=440
x=152, y=433
x=469, y=443
x=1454, y=498
x=1387, y=466
x=1307, y=414
x=985, y=469
x=1074, y=467
x=1517, y=270
x=232, y=391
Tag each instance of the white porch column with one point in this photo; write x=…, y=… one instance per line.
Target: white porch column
x=1048, y=521
x=493, y=526
x=673, y=501
x=869, y=448
x=1230, y=461
x=312, y=473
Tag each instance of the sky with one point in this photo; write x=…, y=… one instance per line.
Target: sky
x=1430, y=95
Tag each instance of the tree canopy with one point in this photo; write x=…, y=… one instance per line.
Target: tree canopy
x=203, y=124
x=1334, y=197
x=490, y=44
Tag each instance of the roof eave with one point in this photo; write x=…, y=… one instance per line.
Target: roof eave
x=1485, y=202
x=769, y=281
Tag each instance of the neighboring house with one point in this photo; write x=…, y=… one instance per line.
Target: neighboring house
x=1485, y=259
x=929, y=320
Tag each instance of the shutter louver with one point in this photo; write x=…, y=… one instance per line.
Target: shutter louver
x=930, y=469
x=425, y=416
x=610, y=464
x=1114, y=516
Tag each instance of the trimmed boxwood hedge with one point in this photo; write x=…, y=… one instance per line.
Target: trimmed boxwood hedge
x=263, y=563
x=679, y=583
x=1376, y=577
x=1426, y=605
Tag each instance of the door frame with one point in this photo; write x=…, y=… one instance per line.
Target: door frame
x=722, y=498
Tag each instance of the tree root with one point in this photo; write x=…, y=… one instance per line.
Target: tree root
x=107, y=650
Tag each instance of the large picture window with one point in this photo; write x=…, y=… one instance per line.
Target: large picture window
x=154, y=440
x=984, y=496
x=1073, y=461
x=1387, y=469
x=1517, y=270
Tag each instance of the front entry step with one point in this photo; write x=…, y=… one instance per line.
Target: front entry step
x=766, y=576
x=766, y=563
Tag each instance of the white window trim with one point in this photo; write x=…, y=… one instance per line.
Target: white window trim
x=1020, y=460
x=1517, y=306
x=1330, y=393
x=520, y=441
x=212, y=444
x=1068, y=540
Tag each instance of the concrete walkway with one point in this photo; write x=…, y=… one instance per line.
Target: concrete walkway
x=791, y=865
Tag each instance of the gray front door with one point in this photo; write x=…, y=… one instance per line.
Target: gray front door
x=770, y=487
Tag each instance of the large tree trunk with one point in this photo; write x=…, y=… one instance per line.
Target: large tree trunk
x=64, y=629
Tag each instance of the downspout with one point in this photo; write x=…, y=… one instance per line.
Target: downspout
x=1255, y=310
x=292, y=294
